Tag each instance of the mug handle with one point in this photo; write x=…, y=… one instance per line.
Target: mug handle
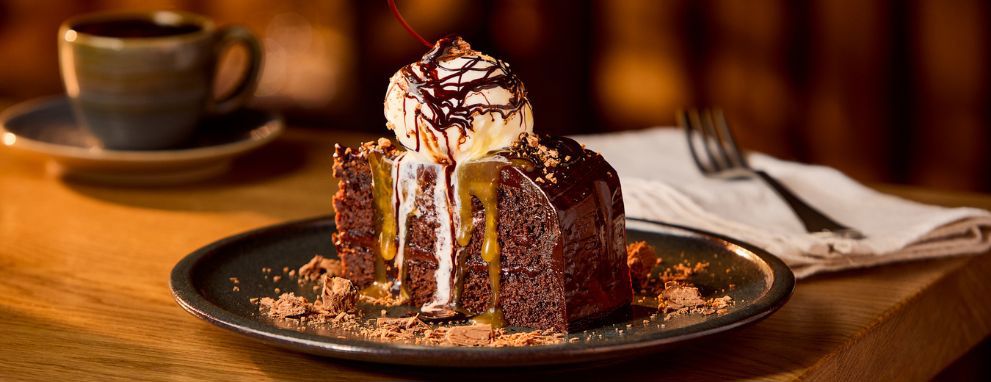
x=226, y=37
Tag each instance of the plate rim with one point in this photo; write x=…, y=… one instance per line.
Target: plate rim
x=186, y=296
x=273, y=127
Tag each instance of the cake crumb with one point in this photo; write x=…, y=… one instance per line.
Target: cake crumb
x=683, y=271
x=276, y=278
x=318, y=266
x=676, y=296
x=236, y=289
x=641, y=258
x=680, y=298
x=234, y=280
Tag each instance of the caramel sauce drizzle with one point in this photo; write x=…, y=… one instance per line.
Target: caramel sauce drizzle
x=445, y=97
x=480, y=180
x=383, y=194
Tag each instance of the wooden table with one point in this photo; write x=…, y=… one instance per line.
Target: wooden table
x=84, y=291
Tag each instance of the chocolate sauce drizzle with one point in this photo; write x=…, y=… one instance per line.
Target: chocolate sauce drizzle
x=445, y=96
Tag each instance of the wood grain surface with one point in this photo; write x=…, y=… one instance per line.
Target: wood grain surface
x=84, y=291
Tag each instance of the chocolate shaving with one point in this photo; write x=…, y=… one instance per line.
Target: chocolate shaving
x=288, y=305
x=472, y=335
x=339, y=295
x=536, y=337
x=398, y=328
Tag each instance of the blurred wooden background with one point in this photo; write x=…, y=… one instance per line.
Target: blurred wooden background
x=890, y=91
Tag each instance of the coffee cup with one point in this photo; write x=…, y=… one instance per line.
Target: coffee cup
x=143, y=80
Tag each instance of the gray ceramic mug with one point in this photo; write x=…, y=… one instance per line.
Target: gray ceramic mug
x=142, y=80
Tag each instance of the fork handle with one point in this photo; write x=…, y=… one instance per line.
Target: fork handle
x=812, y=219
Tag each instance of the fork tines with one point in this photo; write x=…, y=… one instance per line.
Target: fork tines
x=708, y=128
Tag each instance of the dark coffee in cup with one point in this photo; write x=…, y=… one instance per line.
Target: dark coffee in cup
x=134, y=28
x=142, y=81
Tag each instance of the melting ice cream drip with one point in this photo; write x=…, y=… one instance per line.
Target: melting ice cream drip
x=453, y=107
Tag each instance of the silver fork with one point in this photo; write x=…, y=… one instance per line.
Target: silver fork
x=723, y=159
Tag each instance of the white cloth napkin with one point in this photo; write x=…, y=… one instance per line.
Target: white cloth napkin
x=660, y=182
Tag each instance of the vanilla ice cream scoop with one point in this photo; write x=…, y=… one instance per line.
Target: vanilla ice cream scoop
x=456, y=104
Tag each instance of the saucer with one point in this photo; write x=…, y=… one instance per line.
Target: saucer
x=48, y=129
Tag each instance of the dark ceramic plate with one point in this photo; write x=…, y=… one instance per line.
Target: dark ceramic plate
x=758, y=283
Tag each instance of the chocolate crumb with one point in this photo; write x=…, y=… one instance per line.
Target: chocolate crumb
x=677, y=296
x=398, y=328
x=472, y=335
x=319, y=265
x=234, y=280
x=277, y=290
x=288, y=305
x=339, y=295
x=236, y=289
x=681, y=272
x=641, y=258
x=681, y=298
x=276, y=278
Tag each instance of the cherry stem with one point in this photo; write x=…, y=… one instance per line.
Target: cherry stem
x=395, y=12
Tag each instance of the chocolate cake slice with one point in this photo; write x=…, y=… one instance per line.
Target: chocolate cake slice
x=544, y=230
